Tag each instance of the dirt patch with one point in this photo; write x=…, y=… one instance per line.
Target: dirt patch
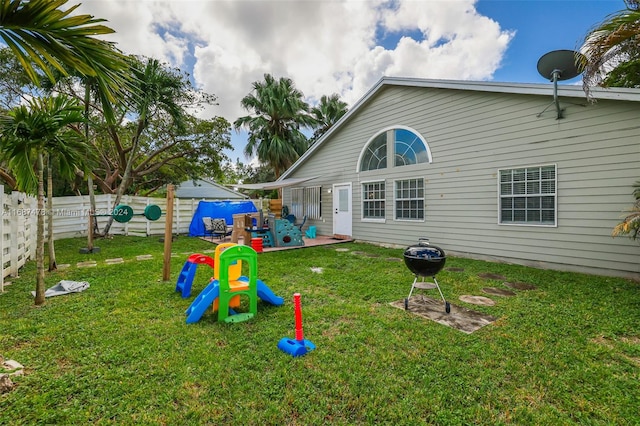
x=364, y=253
x=490, y=276
x=453, y=269
x=602, y=340
x=520, y=286
x=6, y=385
x=631, y=340
x=498, y=292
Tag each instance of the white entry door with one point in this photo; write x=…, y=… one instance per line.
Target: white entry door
x=342, y=209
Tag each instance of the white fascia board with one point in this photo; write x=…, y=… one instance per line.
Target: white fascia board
x=546, y=89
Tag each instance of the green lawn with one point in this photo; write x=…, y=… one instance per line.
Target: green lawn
x=120, y=352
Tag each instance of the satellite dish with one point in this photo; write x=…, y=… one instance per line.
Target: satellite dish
x=559, y=65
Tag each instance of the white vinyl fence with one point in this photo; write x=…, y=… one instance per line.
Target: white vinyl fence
x=17, y=233
x=71, y=215
x=71, y=219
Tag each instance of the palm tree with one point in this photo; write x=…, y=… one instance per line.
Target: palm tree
x=40, y=33
x=278, y=113
x=328, y=111
x=31, y=132
x=91, y=93
x=157, y=92
x=612, y=58
x=613, y=42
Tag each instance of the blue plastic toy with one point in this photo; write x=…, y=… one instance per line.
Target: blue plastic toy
x=185, y=279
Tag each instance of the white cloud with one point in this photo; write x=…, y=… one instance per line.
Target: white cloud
x=324, y=46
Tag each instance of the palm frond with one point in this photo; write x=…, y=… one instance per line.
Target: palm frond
x=42, y=35
x=615, y=40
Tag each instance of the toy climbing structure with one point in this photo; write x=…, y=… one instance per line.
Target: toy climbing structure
x=228, y=285
x=287, y=234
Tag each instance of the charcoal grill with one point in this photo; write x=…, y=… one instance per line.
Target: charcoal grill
x=425, y=260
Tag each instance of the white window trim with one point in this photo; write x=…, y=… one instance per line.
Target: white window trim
x=424, y=202
x=386, y=129
x=555, y=199
x=373, y=220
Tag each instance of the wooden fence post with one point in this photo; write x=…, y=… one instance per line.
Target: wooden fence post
x=168, y=235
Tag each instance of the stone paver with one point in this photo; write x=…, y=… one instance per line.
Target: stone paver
x=477, y=300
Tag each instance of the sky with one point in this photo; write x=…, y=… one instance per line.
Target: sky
x=345, y=46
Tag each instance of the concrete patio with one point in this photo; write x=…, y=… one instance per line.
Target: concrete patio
x=320, y=240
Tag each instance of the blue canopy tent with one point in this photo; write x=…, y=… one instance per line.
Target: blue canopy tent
x=217, y=210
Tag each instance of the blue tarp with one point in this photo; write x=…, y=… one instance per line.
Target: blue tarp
x=217, y=210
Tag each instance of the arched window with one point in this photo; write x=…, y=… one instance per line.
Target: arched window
x=407, y=148
x=375, y=155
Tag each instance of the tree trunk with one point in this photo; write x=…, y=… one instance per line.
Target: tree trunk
x=52, y=250
x=39, y=300
x=93, y=223
x=9, y=180
x=127, y=174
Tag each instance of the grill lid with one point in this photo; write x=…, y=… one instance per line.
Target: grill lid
x=424, y=259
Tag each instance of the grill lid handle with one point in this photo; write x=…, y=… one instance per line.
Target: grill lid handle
x=423, y=241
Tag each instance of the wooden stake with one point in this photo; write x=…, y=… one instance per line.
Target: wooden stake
x=168, y=235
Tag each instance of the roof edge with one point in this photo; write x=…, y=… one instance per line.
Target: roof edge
x=542, y=89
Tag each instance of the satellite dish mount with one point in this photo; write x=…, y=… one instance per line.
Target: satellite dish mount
x=556, y=66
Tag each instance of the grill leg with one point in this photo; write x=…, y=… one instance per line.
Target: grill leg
x=447, y=306
x=439, y=291
x=412, y=287
x=406, y=301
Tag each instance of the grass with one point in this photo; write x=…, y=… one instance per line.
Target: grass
x=567, y=352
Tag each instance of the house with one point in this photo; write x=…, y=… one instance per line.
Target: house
x=204, y=188
x=520, y=173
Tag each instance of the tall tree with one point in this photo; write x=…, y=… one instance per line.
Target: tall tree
x=168, y=156
x=328, y=111
x=29, y=132
x=39, y=32
x=612, y=44
x=277, y=114
x=157, y=93
x=166, y=153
